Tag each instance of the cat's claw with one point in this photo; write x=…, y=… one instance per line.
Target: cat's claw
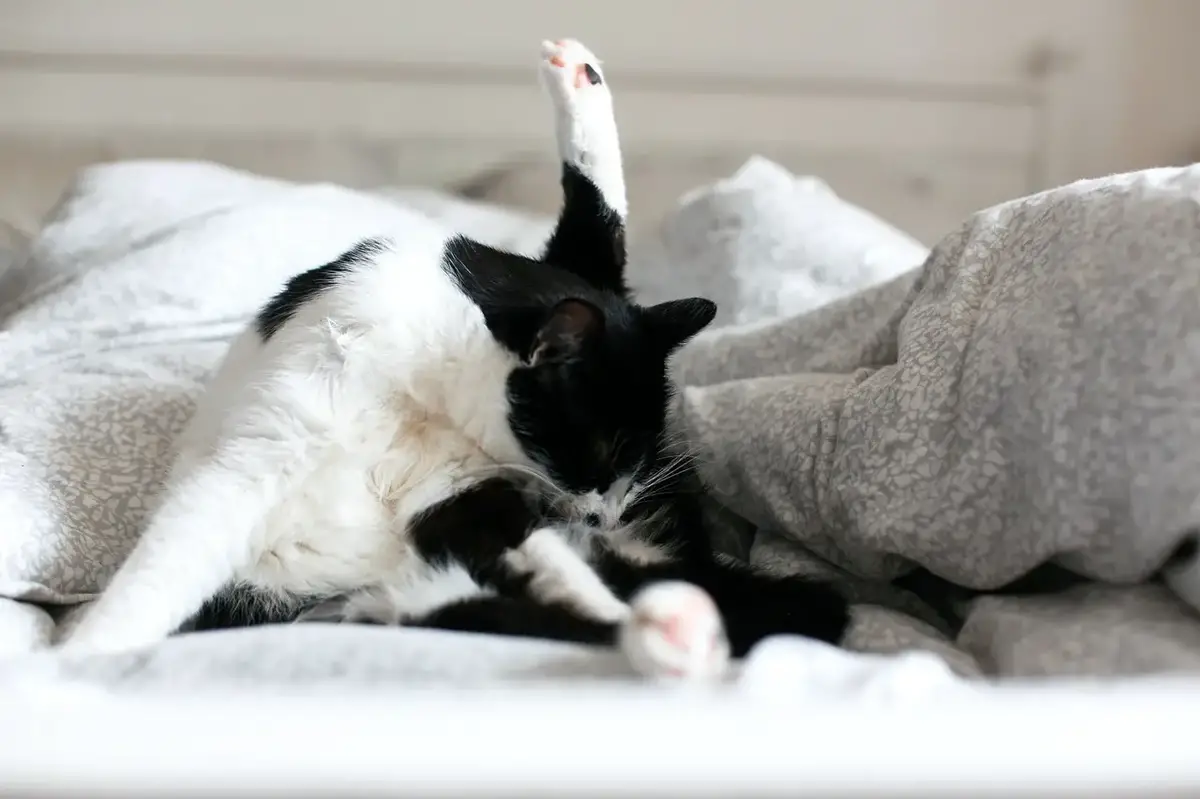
x=674, y=633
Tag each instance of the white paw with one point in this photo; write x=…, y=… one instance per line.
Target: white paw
x=585, y=126
x=675, y=633
x=571, y=72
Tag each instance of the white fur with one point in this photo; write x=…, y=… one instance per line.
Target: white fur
x=584, y=122
x=586, y=135
x=398, y=600
x=559, y=575
x=607, y=507
x=674, y=632
x=634, y=548
x=308, y=455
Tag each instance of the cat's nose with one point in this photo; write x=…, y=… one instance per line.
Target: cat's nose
x=592, y=520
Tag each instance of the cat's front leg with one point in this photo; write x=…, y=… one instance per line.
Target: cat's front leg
x=552, y=572
x=589, y=238
x=199, y=536
x=491, y=531
x=754, y=605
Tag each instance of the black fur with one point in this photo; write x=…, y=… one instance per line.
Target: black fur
x=474, y=529
x=589, y=239
x=306, y=285
x=753, y=605
x=243, y=605
x=588, y=402
x=518, y=616
x=589, y=405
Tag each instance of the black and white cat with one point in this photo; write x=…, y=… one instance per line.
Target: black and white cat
x=435, y=433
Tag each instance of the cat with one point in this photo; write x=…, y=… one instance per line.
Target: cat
x=435, y=433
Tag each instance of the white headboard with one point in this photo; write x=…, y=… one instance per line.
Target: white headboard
x=922, y=110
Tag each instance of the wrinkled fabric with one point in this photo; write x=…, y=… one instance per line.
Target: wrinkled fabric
x=1027, y=396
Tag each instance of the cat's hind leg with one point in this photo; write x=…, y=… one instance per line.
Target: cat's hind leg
x=674, y=633
x=521, y=617
x=246, y=605
x=589, y=238
x=490, y=530
x=757, y=605
x=195, y=542
x=752, y=604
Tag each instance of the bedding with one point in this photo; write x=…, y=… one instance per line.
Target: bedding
x=854, y=371
x=130, y=295
x=854, y=736
x=840, y=416
x=1019, y=400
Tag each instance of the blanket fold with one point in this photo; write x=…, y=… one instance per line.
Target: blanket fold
x=1025, y=397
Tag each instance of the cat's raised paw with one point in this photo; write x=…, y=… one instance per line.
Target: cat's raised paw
x=675, y=633
x=569, y=68
x=584, y=124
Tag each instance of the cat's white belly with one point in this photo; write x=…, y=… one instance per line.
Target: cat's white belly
x=330, y=534
x=344, y=525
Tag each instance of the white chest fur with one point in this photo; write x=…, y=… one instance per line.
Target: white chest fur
x=379, y=398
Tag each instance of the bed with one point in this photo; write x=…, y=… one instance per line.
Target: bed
x=113, y=312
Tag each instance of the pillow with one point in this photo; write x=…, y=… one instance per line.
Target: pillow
x=765, y=243
x=146, y=270
x=759, y=243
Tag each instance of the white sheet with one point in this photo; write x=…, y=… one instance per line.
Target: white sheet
x=804, y=719
x=866, y=726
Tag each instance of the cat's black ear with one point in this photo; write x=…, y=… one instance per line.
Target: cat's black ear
x=569, y=326
x=673, y=323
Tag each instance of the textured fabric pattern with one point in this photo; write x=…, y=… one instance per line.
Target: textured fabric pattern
x=1020, y=398
x=764, y=243
x=108, y=329
x=128, y=300
x=1025, y=397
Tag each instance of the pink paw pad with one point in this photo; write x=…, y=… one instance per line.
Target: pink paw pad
x=675, y=631
x=684, y=626
x=572, y=57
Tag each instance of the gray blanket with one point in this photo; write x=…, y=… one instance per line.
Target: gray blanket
x=1025, y=397
x=1021, y=399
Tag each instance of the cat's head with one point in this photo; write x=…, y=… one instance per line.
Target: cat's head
x=588, y=402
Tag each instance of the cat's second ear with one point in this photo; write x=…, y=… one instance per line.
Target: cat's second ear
x=673, y=323
x=568, y=328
